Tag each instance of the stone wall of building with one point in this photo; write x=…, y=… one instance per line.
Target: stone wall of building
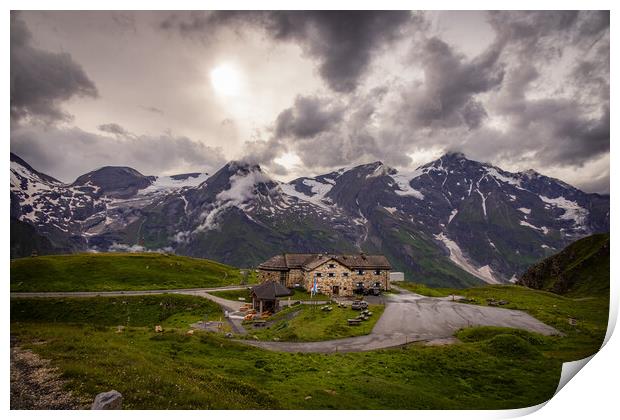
x=343, y=277
x=346, y=279
x=295, y=276
x=265, y=275
x=369, y=278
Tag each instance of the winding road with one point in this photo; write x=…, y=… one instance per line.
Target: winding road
x=194, y=292
x=408, y=318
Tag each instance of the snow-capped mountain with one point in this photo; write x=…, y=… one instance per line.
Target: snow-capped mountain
x=453, y=221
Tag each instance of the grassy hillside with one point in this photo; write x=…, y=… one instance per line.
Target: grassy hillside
x=580, y=269
x=491, y=367
x=206, y=371
x=130, y=311
x=117, y=271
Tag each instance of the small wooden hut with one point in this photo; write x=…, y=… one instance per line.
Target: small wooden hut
x=265, y=296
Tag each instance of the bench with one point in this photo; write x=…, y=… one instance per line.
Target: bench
x=259, y=323
x=354, y=322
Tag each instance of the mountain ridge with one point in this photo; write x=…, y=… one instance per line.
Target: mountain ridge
x=452, y=221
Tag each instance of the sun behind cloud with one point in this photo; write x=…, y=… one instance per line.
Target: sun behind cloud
x=226, y=80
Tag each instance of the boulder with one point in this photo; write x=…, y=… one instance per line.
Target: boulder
x=111, y=400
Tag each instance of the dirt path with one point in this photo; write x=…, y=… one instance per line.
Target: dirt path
x=35, y=385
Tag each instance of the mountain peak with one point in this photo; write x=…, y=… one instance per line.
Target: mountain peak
x=454, y=156
x=16, y=159
x=242, y=167
x=530, y=173
x=115, y=181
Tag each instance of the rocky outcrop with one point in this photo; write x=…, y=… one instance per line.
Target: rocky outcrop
x=111, y=400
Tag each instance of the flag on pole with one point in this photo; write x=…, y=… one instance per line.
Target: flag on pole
x=314, y=288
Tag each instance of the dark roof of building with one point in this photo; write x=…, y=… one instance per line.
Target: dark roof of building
x=283, y=262
x=270, y=290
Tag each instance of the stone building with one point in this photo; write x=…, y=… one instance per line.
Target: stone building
x=335, y=274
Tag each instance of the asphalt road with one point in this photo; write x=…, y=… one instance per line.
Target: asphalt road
x=409, y=317
x=195, y=292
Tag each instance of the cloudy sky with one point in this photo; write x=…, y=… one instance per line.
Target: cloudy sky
x=302, y=93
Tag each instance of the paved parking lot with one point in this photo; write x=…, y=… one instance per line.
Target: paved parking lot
x=409, y=317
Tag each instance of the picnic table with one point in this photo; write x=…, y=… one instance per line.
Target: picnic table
x=354, y=321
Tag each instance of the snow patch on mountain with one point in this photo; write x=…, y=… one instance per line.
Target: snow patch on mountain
x=391, y=210
x=515, y=182
x=572, y=210
x=484, y=202
x=524, y=210
x=543, y=229
x=456, y=256
x=380, y=170
x=171, y=183
x=452, y=214
x=319, y=191
x=404, y=184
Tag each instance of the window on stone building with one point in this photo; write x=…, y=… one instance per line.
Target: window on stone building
x=345, y=274
x=377, y=272
x=331, y=265
x=317, y=274
x=360, y=272
x=330, y=274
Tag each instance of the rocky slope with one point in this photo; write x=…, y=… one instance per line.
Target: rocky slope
x=452, y=222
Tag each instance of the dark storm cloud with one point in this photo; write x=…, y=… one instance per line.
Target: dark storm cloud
x=342, y=41
x=327, y=132
x=447, y=98
x=567, y=129
x=67, y=153
x=308, y=116
x=545, y=34
x=42, y=80
x=532, y=89
x=450, y=106
x=578, y=138
x=113, y=128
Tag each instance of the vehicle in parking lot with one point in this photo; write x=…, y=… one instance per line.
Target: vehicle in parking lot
x=374, y=290
x=359, y=305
